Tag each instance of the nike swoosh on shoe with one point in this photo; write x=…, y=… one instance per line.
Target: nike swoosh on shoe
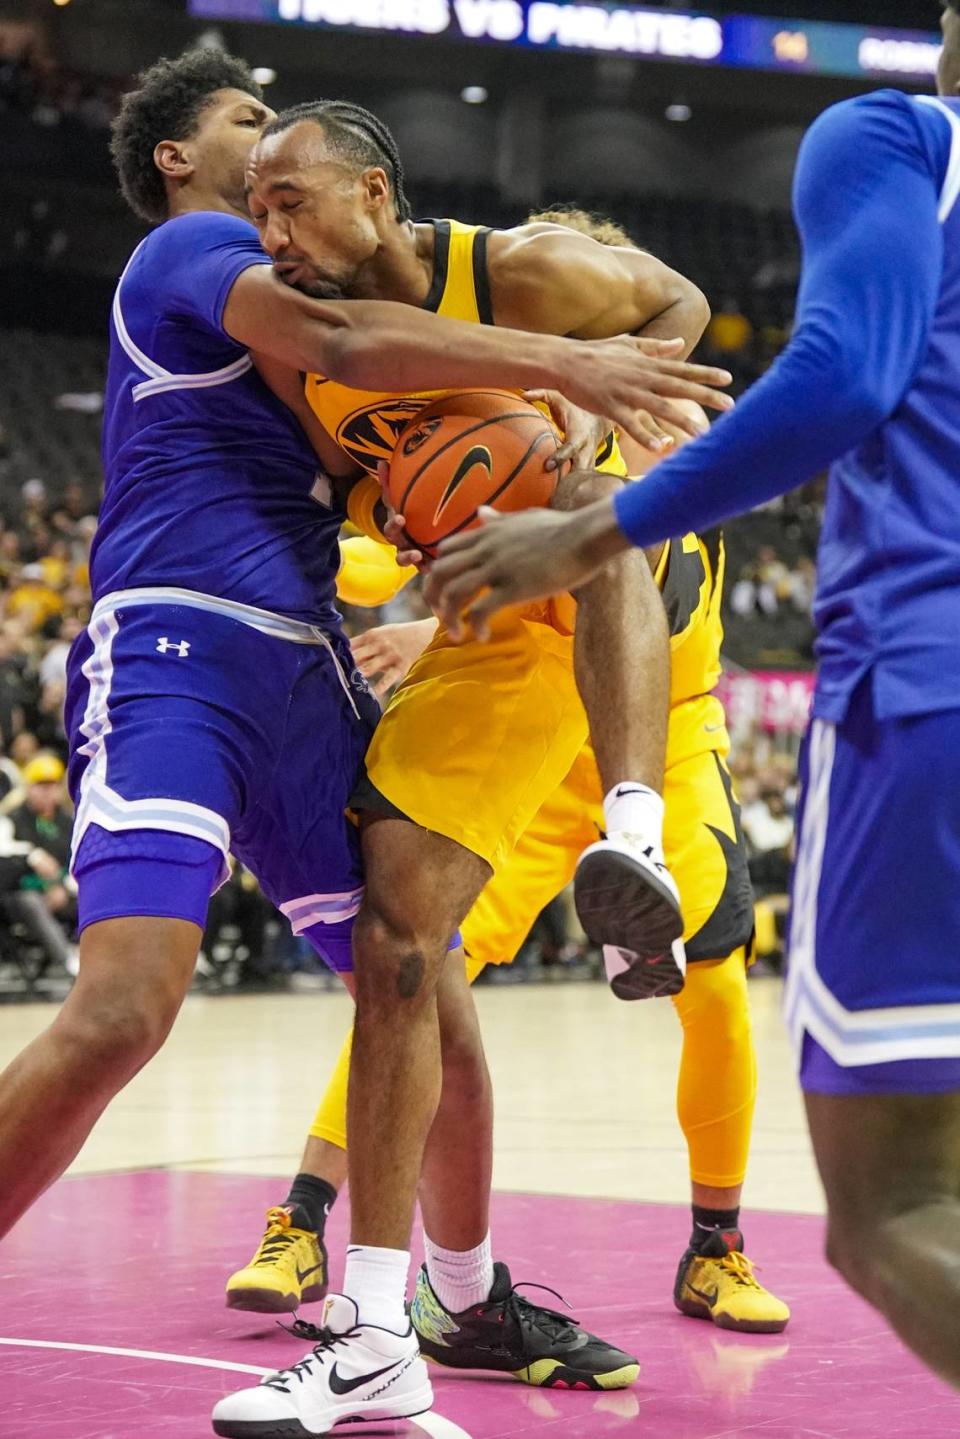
x=347, y=1386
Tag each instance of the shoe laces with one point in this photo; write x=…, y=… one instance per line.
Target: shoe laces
x=277, y=1238
x=740, y=1269
x=326, y=1340
x=529, y=1316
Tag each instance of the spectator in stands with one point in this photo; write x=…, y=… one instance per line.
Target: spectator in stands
x=53, y=666
x=33, y=600
x=240, y=905
x=802, y=584
x=13, y=688
x=72, y=509
x=753, y=592
x=56, y=562
x=43, y=818
x=729, y=332
x=729, y=340
x=41, y=825
x=767, y=824
x=22, y=749
x=10, y=777
x=9, y=555
x=767, y=582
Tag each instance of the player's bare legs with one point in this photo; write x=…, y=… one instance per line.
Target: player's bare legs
x=622, y=666
x=134, y=974
x=458, y=1156
x=626, y=898
x=290, y=1266
x=324, y=1161
x=890, y=1165
x=419, y=888
x=457, y=1170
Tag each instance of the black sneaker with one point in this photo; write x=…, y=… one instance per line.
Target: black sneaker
x=510, y=1335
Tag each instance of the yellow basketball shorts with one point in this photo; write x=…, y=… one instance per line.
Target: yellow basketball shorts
x=703, y=847
x=478, y=736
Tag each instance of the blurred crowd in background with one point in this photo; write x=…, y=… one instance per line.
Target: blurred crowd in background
x=32, y=84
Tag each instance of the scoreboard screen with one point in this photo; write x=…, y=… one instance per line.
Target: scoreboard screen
x=642, y=31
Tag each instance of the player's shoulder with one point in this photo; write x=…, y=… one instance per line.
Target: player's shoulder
x=196, y=232
x=884, y=118
x=540, y=252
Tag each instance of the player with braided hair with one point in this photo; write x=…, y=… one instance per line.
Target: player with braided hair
x=473, y=743
x=360, y=136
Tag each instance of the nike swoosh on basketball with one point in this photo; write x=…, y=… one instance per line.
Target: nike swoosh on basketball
x=347, y=1386
x=303, y=1274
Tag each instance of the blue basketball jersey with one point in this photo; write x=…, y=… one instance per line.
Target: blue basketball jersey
x=211, y=484
x=869, y=385
x=888, y=591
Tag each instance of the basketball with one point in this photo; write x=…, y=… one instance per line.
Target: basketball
x=471, y=448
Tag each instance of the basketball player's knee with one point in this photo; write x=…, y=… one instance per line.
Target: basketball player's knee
x=397, y=957
x=867, y=1242
x=865, y=1255
x=116, y=1029
x=715, y=998
x=579, y=488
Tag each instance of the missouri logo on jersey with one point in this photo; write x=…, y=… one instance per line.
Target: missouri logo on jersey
x=370, y=434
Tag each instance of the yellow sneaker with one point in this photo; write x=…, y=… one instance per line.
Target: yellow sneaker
x=718, y=1283
x=288, y=1269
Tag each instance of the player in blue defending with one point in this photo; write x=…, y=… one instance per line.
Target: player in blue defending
x=871, y=382
x=213, y=705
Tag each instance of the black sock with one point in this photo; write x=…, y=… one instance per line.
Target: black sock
x=707, y=1221
x=314, y=1198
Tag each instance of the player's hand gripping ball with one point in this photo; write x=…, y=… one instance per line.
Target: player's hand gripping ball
x=470, y=448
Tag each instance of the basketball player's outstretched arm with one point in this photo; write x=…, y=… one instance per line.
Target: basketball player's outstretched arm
x=867, y=196
x=377, y=344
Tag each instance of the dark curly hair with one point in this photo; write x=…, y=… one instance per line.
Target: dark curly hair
x=166, y=105
x=361, y=138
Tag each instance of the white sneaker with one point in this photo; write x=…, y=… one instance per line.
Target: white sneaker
x=626, y=896
x=633, y=978
x=357, y=1371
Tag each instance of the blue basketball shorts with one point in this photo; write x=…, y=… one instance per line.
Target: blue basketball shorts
x=873, y=987
x=200, y=728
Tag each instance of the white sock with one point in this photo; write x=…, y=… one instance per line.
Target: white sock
x=376, y=1281
x=637, y=809
x=460, y=1277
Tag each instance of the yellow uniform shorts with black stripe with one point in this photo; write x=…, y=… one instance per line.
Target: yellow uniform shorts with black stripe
x=478, y=736
x=703, y=847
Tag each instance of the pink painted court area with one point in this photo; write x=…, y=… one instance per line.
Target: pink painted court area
x=137, y=1262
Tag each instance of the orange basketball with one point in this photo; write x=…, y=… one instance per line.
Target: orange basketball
x=470, y=448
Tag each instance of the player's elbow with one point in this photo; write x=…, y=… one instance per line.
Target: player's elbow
x=698, y=309
x=866, y=402
x=329, y=340
x=350, y=357
x=690, y=312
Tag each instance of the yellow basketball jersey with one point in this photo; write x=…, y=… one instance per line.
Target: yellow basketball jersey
x=366, y=423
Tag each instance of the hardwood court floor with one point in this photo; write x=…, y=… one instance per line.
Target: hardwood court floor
x=584, y=1085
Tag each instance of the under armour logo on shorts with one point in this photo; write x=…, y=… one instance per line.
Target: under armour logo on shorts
x=182, y=647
